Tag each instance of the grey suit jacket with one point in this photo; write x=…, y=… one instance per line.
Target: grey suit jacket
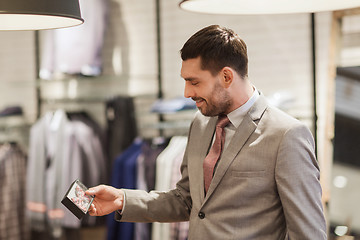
x=266, y=185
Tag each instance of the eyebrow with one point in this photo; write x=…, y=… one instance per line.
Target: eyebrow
x=190, y=79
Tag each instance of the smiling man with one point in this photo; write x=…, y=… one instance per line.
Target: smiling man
x=249, y=170
x=213, y=93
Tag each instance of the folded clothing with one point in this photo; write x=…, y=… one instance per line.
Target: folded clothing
x=11, y=111
x=173, y=105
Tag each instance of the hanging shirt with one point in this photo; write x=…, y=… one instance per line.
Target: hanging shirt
x=13, y=221
x=124, y=176
x=60, y=151
x=164, y=165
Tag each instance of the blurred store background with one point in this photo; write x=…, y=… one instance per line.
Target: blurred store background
x=125, y=59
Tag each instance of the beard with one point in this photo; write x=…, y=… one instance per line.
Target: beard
x=218, y=102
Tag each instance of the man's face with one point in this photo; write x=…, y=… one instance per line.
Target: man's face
x=204, y=88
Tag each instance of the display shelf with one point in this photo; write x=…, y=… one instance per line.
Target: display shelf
x=97, y=89
x=97, y=79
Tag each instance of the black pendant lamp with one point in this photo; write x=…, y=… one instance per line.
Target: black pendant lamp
x=39, y=14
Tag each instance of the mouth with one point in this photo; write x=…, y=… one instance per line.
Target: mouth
x=198, y=101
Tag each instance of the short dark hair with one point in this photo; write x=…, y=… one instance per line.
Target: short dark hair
x=218, y=47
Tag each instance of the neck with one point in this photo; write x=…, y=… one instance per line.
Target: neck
x=241, y=93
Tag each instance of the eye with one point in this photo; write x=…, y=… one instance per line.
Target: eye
x=194, y=83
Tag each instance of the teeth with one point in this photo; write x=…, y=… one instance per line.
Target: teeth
x=198, y=100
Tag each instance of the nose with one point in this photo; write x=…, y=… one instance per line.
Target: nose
x=188, y=92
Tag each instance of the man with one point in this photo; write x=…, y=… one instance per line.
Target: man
x=265, y=184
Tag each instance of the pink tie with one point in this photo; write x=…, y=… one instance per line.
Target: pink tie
x=215, y=151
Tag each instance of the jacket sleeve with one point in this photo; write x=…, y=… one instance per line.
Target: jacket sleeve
x=297, y=179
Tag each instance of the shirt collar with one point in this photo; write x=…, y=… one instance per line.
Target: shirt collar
x=238, y=114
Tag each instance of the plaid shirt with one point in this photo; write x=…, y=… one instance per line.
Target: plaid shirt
x=13, y=222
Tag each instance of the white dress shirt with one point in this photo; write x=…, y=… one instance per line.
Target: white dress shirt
x=237, y=116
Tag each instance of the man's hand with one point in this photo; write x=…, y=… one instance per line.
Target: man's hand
x=107, y=200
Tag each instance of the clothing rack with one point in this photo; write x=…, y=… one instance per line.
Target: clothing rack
x=148, y=122
x=91, y=99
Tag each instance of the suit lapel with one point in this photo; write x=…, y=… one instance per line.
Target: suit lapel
x=246, y=128
x=243, y=132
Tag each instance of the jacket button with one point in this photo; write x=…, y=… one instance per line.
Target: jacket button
x=201, y=215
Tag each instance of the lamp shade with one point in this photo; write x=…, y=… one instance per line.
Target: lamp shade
x=39, y=14
x=266, y=6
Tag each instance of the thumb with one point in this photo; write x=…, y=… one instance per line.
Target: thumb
x=94, y=190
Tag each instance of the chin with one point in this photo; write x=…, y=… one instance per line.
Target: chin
x=208, y=114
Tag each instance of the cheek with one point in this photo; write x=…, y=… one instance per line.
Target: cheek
x=206, y=92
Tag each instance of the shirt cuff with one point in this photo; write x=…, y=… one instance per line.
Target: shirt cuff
x=118, y=213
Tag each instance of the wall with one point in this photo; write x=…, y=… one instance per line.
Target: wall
x=17, y=72
x=270, y=39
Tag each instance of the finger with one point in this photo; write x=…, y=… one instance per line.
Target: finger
x=92, y=210
x=90, y=192
x=92, y=213
x=92, y=207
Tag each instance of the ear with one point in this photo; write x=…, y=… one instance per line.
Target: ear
x=227, y=76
